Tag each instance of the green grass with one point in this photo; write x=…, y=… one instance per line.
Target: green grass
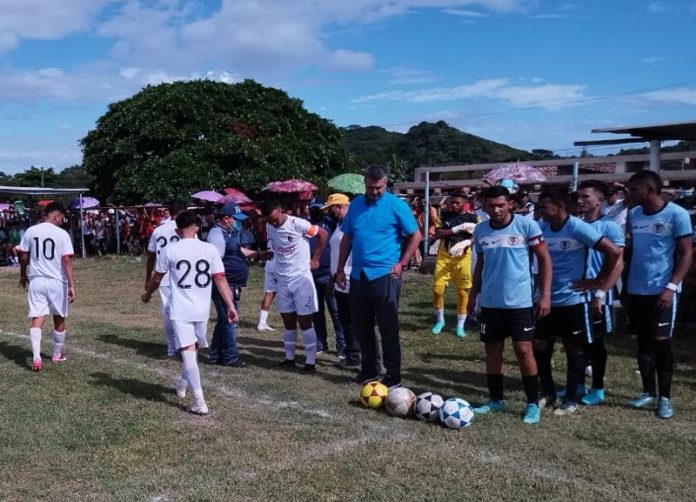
x=108, y=426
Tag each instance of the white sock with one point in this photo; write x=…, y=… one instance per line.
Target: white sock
x=440, y=315
x=168, y=328
x=263, y=317
x=309, y=338
x=191, y=374
x=290, y=343
x=35, y=337
x=461, y=319
x=58, y=339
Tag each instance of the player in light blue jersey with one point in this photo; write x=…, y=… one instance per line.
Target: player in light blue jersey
x=661, y=254
x=568, y=239
x=504, y=245
x=591, y=195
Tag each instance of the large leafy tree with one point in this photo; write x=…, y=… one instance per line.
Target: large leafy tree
x=170, y=140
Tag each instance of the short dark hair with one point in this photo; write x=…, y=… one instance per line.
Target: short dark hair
x=648, y=178
x=269, y=206
x=54, y=206
x=496, y=191
x=557, y=197
x=596, y=185
x=375, y=172
x=459, y=193
x=177, y=207
x=187, y=218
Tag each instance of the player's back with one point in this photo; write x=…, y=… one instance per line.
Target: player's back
x=46, y=245
x=163, y=235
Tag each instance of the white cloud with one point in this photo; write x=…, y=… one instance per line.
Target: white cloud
x=402, y=75
x=676, y=96
x=550, y=16
x=344, y=60
x=465, y=13
x=652, y=60
x=657, y=7
x=549, y=96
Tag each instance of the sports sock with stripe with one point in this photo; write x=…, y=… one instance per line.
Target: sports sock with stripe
x=309, y=338
x=290, y=343
x=35, y=337
x=58, y=340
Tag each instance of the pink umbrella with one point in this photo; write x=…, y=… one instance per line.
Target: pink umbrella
x=208, y=196
x=516, y=172
x=235, y=196
x=290, y=186
x=4, y=206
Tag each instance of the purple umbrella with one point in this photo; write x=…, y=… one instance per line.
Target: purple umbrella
x=4, y=206
x=208, y=196
x=521, y=173
x=86, y=202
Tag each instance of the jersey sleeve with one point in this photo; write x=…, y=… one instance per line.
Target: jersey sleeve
x=305, y=228
x=682, y=225
x=615, y=234
x=586, y=233
x=162, y=265
x=66, y=245
x=25, y=243
x=535, y=237
x=405, y=218
x=477, y=235
x=217, y=269
x=152, y=243
x=216, y=238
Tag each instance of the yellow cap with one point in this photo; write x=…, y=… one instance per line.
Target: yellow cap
x=336, y=199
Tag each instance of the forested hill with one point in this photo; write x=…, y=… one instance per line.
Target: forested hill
x=424, y=144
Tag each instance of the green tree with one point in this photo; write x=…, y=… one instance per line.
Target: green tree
x=75, y=177
x=170, y=140
x=37, y=177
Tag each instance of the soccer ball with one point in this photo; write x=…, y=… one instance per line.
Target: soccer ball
x=400, y=402
x=373, y=394
x=428, y=406
x=456, y=413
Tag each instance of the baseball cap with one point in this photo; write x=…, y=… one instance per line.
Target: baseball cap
x=232, y=209
x=336, y=199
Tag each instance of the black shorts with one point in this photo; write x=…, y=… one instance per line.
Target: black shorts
x=570, y=322
x=498, y=324
x=602, y=322
x=647, y=321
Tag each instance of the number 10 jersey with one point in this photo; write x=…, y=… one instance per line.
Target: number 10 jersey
x=46, y=245
x=191, y=265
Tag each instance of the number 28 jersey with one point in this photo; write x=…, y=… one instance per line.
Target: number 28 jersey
x=46, y=245
x=191, y=265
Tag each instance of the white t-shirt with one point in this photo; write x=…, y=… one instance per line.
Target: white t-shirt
x=163, y=235
x=290, y=246
x=46, y=244
x=335, y=248
x=191, y=265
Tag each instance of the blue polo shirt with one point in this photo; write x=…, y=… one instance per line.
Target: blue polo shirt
x=377, y=229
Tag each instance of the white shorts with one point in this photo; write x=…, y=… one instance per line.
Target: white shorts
x=47, y=296
x=297, y=295
x=189, y=332
x=270, y=281
x=165, y=294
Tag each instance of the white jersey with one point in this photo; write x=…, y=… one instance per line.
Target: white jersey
x=46, y=245
x=290, y=246
x=191, y=265
x=335, y=248
x=163, y=235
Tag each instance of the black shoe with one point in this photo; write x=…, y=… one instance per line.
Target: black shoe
x=362, y=379
x=347, y=363
x=211, y=361
x=391, y=383
x=235, y=364
x=287, y=363
x=310, y=368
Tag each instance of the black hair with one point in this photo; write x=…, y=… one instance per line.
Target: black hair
x=54, y=206
x=648, y=178
x=177, y=207
x=459, y=193
x=375, y=172
x=187, y=218
x=557, y=197
x=597, y=185
x=269, y=206
x=496, y=191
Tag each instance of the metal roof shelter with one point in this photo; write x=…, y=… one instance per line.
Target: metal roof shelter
x=655, y=134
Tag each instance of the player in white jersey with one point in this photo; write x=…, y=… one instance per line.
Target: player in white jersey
x=296, y=300
x=192, y=266
x=164, y=235
x=270, y=286
x=48, y=252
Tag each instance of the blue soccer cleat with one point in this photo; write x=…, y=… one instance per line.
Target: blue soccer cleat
x=664, y=408
x=437, y=329
x=490, y=405
x=532, y=414
x=459, y=332
x=643, y=400
x=593, y=397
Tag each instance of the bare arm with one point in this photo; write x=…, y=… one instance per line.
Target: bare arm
x=545, y=276
x=411, y=246
x=343, y=254
x=23, y=264
x=152, y=286
x=226, y=294
x=322, y=239
x=476, y=288
x=67, y=262
x=610, y=268
x=249, y=253
x=151, y=259
x=681, y=268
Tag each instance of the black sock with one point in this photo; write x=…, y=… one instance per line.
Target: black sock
x=587, y=353
x=495, y=386
x=646, y=364
x=599, y=363
x=575, y=374
x=531, y=388
x=543, y=360
x=664, y=362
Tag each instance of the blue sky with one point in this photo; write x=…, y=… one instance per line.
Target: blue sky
x=528, y=73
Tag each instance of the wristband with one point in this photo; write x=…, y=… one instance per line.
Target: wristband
x=600, y=294
x=672, y=287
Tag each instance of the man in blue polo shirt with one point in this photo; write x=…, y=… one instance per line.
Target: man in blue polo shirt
x=661, y=252
x=373, y=230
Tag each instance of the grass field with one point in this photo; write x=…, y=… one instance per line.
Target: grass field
x=108, y=426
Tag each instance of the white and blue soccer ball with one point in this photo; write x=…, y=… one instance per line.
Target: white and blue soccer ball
x=456, y=413
x=428, y=406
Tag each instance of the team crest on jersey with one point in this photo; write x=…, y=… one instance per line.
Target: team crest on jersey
x=513, y=240
x=290, y=238
x=658, y=228
x=565, y=244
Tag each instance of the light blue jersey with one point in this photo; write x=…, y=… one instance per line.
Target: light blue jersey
x=506, y=280
x=595, y=259
x=568, y=248
x=654, y=242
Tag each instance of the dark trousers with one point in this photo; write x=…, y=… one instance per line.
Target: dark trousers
x=319, y=318
x=223, y=346
x=377, y=300
x=352, y=347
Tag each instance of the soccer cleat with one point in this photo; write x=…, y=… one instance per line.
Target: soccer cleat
x=566, y=408
x=643, y=400
x=664, y=408
x=200, y=409
x=532, y=415
x=346, y=363
x=264, y=327
x=459, y=332
x=235, y=364
x=593, y=397
x=180, y=385
x=310, y=368
x=437, y=329
x=581, y=391
x=547, y=402
x=362, y=379
x=391, y=383
x=61, y=358
x=37, y=365
x=490, y=405
x=287, y=363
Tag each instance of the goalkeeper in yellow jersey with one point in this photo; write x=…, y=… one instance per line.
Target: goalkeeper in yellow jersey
x=454, y=261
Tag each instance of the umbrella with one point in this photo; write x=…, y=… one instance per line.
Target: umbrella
x=234, y=195
x=351, y=183
x=153, y=204
x=208, y=196
x=4, y=206
x=521, y=173
x=44, y=202
x=86, y=202
x=290, y=186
